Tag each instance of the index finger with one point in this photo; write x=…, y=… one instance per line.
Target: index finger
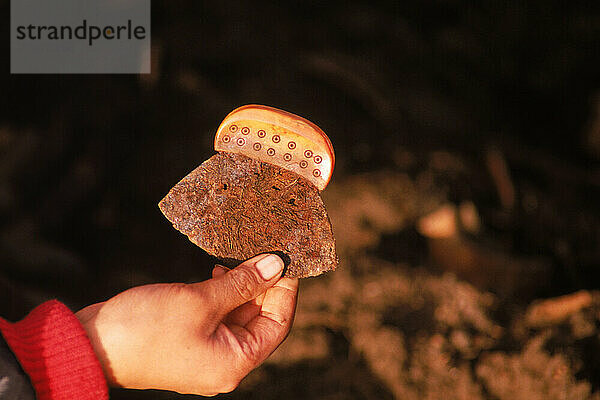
x=279, y=303
x=270, y=327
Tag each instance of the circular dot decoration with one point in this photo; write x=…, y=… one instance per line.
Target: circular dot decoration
x=278, y=138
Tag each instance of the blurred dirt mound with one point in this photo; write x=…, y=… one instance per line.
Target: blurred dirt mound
x=421, y=336
x=418, y=334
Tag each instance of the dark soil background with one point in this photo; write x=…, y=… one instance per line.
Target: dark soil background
x=465, y=200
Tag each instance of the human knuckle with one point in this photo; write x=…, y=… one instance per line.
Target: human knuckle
x=175, y=289
x=186, y=292
x=176, y=292
x=279, y=318
x=230, y=385
x=188, y=297
x=244, y=283
x=251, y=349
x=227, y=383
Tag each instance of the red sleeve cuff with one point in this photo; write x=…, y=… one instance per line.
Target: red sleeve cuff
x=53, y=349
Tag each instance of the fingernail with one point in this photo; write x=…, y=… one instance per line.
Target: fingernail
x=269, y=267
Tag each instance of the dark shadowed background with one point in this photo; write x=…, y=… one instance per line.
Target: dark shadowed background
x=465, y=200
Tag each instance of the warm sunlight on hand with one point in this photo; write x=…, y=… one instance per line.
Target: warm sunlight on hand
x=200, y=338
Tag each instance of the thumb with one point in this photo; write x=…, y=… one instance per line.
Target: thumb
x=245, y=282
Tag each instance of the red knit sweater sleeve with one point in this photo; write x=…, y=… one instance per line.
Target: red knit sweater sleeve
x=53, y=349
